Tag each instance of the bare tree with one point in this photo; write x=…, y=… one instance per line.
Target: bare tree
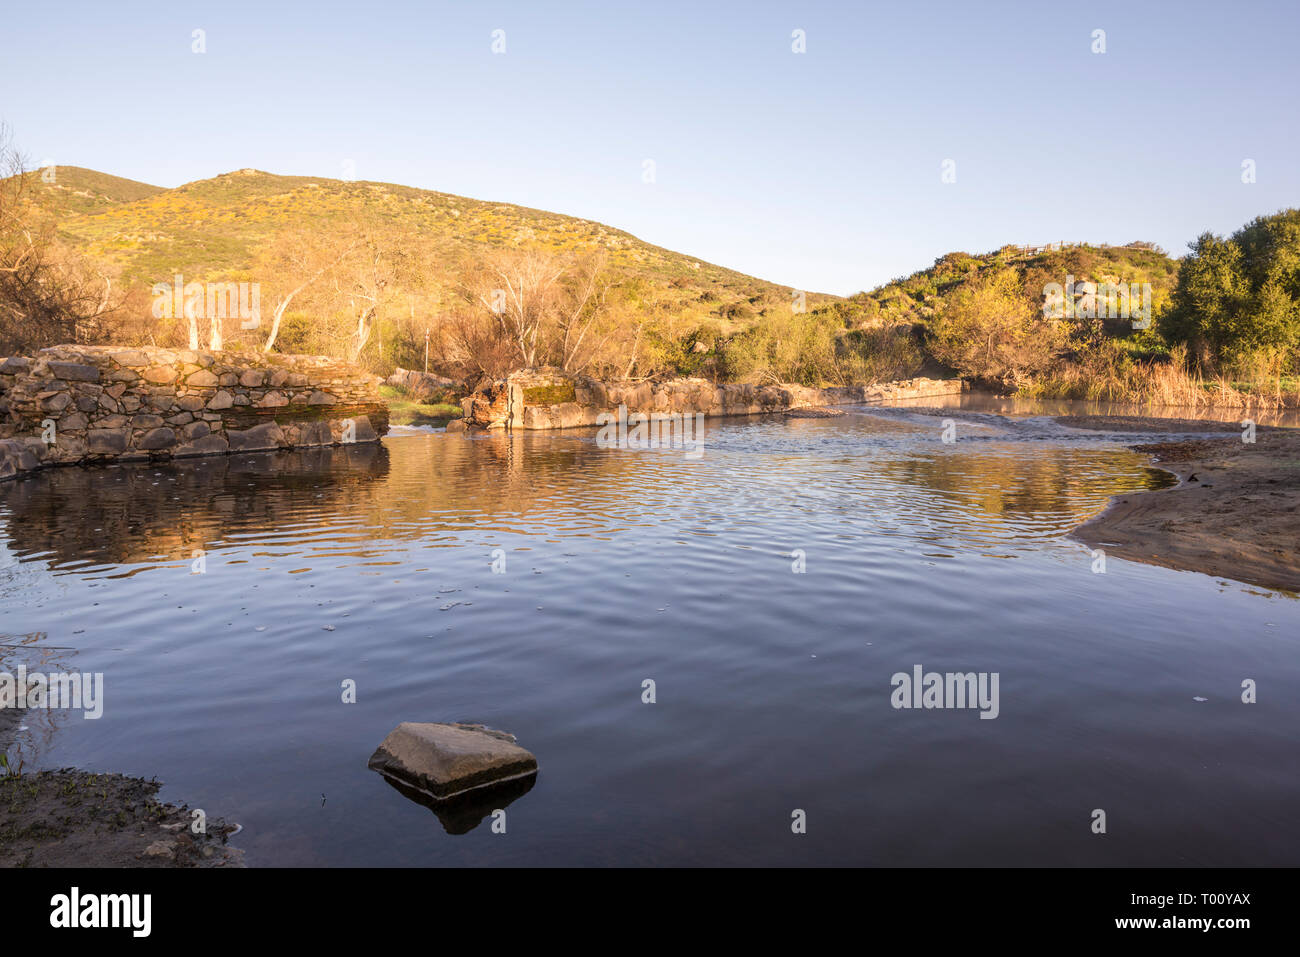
x=581, y=308
x=546, y=305
x=305, y=262
x=48, y=293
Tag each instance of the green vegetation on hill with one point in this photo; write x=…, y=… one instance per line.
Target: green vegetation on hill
x=365, y=269
x=73, y=190
x=385, y=275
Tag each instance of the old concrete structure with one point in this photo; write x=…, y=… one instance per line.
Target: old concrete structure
x=98, y=404
x=552, y=399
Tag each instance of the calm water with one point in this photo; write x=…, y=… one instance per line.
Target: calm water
x=773, y=688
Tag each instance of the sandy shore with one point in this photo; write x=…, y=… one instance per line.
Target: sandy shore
x=77, y=819
x=1234, y=514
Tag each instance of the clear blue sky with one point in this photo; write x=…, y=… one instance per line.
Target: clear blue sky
x=819, y=170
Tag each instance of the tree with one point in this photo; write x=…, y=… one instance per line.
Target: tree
x=988, y=330
x=1240, y=296
x=301, y=261
x=48, y=293
x=547, y=305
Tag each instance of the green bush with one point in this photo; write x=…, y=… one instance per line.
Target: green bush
x=1237, y=300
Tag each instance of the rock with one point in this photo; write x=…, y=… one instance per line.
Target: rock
x=54, y=401
x=456, y=425
x=258, y=438
x=446, y=760
x=202, y=379
x=315, y=433
x=160, y=375
x=157, y=439
x=74, y=371
x=363, y=431
x=203, y=445
x=814, y=413
x=161, y=849
x=222, y=400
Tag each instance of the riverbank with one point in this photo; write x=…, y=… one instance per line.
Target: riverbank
x=1235, y=512
x=74, y=818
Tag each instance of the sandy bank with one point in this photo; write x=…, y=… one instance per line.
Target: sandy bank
x=1234, y=514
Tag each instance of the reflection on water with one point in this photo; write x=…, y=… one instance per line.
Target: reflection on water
x=226, y=600
x=463, y=813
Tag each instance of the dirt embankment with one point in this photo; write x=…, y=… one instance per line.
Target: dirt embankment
x=1235, y=512
x=74, y=818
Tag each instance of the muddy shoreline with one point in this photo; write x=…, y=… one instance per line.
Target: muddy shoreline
x=71, y=818
x=1235, y=512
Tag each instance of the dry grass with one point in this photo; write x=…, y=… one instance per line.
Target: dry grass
x=1110, y=375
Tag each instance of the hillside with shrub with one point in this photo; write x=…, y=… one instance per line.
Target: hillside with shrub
x=386, y=275
x=365, y=269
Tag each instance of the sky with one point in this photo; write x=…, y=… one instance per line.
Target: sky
x=823, y=169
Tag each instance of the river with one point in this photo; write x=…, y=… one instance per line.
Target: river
x=770, y=589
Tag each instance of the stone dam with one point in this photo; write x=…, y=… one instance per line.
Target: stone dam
x=553, y=399
x=70, y=405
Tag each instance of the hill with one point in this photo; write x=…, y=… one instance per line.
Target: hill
x=72, y=190
x=918, y=298
x=270, y=230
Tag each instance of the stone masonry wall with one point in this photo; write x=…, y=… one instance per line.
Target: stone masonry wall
x=551, y=399
x=93, y=404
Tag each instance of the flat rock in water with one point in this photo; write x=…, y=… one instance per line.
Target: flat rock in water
x=814, y=413
x=445, y=760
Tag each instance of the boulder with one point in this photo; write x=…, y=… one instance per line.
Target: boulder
x=258, y=438
x=203, y=445
x=74, y=371
x=156, y=439
x=447, y=760
x=160, y=375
